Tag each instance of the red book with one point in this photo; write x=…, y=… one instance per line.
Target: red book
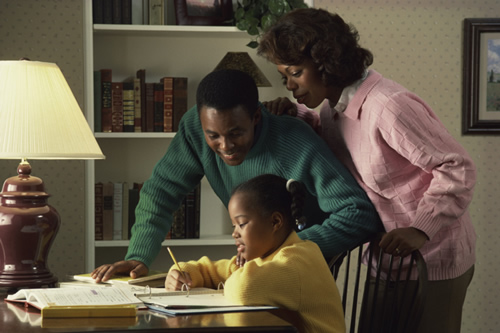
x=117, y=106
x=168, y=85
x=150, y=107
x=180, y=100
x=106, y=116
x=158, y=110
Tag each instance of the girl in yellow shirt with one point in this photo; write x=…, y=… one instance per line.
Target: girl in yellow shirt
x=281, y=269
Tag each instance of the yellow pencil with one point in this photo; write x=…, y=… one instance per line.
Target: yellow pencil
x=176, y=263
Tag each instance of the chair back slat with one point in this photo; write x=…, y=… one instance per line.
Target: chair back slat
x=388, y=303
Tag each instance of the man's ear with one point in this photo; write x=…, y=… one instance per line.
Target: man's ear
x=257, y=116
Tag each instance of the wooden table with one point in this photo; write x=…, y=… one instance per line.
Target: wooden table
x=17, y=318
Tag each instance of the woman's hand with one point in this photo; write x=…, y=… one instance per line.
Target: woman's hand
x=403, y=241
x=133, y=267
x=175, y=280
x=280, y=106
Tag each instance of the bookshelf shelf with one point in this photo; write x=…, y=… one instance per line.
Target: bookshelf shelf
x=204, y=241
x=167, y=50
x=133, y=135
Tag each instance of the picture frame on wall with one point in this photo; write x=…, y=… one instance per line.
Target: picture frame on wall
x=200, y=12
x=481, y=76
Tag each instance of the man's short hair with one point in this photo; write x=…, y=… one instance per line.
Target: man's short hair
x=226, y=89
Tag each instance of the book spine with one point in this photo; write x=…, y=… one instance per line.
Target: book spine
x=106, y=107
x=158, y=110
x=97, y=11
x=126, y=11
x=179, y=222
x=125, y=211
x=117, y=210
x=180, y=103
x=133, y=201
x=117, y=11
x=117, y=106
x=107, y=212
x=97, y=102
x=150, y=106
x=137, y=105
x=141, y=75
x=107, y=11
x=156, y=12
x=137, y=14
x=168, y=85
x=98, y=200
x=128, y=107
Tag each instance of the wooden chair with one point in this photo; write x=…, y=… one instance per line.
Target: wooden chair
x=399, y=305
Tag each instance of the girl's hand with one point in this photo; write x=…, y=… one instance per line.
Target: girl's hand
x=174, y=280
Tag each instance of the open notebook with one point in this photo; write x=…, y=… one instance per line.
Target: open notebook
x=197, y=300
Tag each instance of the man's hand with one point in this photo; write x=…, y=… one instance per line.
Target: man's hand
x=105, y=272
x=175, y=280
x=280, y=106
x=403, y=241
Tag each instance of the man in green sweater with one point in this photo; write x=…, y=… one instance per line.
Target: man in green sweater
x=229, y=138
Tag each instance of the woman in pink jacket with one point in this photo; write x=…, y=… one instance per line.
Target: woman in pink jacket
x=416, y=174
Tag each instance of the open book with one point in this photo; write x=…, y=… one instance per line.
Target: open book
x=197, y=300
x=79, y=302
x=153, y=279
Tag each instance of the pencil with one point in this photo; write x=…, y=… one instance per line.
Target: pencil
x=176, y=263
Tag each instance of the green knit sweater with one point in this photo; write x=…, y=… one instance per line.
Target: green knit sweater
x=338, y=211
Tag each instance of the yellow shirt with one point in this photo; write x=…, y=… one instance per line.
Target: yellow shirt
x=295, y=277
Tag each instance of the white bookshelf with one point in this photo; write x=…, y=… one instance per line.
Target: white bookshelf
x=190, y=51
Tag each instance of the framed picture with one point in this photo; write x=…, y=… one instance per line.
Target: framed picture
x=203, y=12
x=481, y=76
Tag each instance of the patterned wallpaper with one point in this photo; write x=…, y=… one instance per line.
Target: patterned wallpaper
x=52, y=31
x=417, y=43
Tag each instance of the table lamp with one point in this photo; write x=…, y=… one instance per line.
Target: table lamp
x=242, y=61
x=39, y=119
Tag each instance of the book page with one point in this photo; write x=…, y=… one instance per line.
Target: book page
x=81, y=297
x=213, y=299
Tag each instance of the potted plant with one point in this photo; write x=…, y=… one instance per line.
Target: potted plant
x=255, y=16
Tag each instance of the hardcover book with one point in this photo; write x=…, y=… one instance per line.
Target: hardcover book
x=128, y=107
x=97, y=102
x=141, y=75
x=158, y=110
x=106, y=107
x=137, y=105
x=180, y=100
x=117, y=106
x=168, y=86
x=99, y=206
x=150, y=107
x=107, y=211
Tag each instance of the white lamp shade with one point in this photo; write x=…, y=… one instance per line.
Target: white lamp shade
x=39, y=115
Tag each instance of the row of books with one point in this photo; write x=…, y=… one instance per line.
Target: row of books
x=115, y=205
x=135, y=105
x=147, y=12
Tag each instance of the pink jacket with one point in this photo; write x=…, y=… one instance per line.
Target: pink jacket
x=413, y=170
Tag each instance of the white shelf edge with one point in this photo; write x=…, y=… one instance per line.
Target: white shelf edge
x=221, y=240
x=134, y=135
x=181, y=30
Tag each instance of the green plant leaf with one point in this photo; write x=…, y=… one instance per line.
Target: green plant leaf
x=267, y=21
x=253, y=44
x=277, y=7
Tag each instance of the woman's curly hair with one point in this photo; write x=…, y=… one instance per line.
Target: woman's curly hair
x=320, y=36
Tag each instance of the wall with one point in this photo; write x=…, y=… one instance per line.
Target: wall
x=52, y=31
x=417, y=43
